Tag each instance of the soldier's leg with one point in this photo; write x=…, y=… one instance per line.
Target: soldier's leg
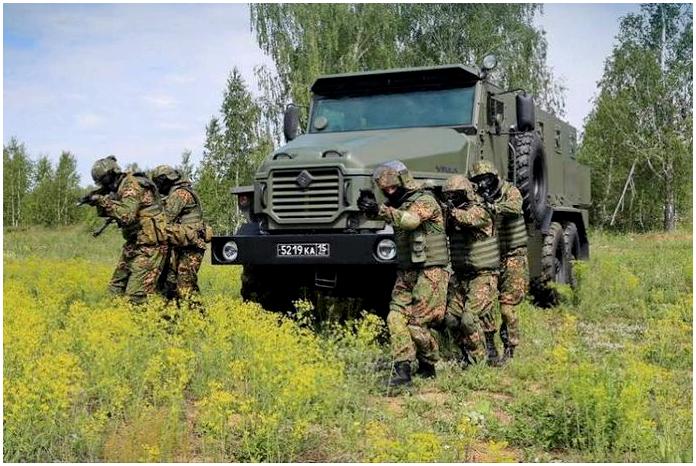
x=146, y=268
x=187, y=271
x=428, y=309
x=170, y=273
x=119, y=279
x=462, y=325
x=402, y=345
x=514, y=281
x=481, y=300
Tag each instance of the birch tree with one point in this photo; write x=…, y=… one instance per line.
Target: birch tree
x=638, y=139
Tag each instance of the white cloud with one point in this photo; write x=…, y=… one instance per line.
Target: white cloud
x=89, y=120
x=161, y=101
x=172, y=126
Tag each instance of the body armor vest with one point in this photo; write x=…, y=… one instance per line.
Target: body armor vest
x=151, y=225
x=417, y=248
x=192, y=213
x=512, y=233
x=473, y=255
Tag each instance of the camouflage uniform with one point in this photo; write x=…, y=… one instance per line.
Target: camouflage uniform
x=185, y=261
x=186, y=231
x=473, y=289
x=514, y=272
x=420, y=292
x=135, y=207
x=506, y=202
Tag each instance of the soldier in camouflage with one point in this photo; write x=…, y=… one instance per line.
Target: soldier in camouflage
x=506, y=201
x=182, y=208
x=420, y=292
x=134, y=204
x=473, y=290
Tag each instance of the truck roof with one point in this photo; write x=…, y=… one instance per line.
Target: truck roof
x=394, y=79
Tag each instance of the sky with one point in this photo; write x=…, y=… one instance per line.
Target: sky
x=142, y=81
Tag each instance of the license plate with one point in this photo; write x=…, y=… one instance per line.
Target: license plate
x=303, y=250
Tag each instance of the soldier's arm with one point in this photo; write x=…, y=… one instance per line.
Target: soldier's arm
x=474, y=217
x=176, y=202
x=510, y=204
x=124, y=210
x=411, y=218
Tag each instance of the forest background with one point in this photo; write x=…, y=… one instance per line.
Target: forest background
x=638, y=139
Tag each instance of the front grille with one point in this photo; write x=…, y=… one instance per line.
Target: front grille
x=313, y=195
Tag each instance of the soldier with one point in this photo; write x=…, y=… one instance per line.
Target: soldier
x=473, y=289
x=506, y=201
x=420, y=292
x=182, y=207
x=134, y=204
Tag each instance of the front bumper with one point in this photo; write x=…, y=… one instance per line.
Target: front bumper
x=344, y=249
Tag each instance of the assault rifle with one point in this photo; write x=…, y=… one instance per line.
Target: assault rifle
x=87, y=200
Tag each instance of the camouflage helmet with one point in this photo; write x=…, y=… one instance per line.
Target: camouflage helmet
x=103, y=167
x=459, y=183
x=394, y=173
x=165, y=171
x=483, y=167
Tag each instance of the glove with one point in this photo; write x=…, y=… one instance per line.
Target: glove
x=368, y=206
x=94, y=199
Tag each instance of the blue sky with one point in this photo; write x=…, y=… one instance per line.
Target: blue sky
x=142, y=81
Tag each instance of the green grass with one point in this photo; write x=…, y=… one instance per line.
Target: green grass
x=605, y=376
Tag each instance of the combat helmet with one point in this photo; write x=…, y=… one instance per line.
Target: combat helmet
x=104, y=167
x=165, y=171
x=458, y=183
x=483, y=167
x=459, y=190
x=394, y=173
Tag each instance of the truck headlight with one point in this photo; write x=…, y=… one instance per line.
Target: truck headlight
x=230, y=251
x=386, y=249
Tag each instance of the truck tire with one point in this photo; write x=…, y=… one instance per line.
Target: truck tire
x=555, y=266
x=527, y=170
x=572, y=242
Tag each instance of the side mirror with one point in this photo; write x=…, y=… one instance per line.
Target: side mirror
x=291, y=122
x=525, y=112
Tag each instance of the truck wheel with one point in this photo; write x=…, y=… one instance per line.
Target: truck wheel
x=572, y=242
x=555, y=266
x=527, y=169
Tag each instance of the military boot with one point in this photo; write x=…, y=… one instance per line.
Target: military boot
x=508, y=349
x=402, y=374
x=426, y=370
x=467, y=360
x=492, y=358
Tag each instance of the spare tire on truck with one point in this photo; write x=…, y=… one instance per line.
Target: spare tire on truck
x=527, y=170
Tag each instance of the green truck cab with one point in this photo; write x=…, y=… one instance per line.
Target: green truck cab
x=304, y=232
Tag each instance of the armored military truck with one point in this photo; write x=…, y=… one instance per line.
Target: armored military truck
x=304, y=233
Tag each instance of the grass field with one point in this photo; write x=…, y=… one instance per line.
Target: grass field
x=605, y=376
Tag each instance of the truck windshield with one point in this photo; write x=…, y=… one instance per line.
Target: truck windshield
x=444, y=107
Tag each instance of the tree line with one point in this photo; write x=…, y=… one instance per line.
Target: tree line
x=637, y=139
x=35, y=192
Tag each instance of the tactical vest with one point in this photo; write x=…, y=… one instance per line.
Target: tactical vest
x=151, y=225
x=417, y=248
x=189, y=229
x=512, y=233
x=473, y=255
x=192, y=213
